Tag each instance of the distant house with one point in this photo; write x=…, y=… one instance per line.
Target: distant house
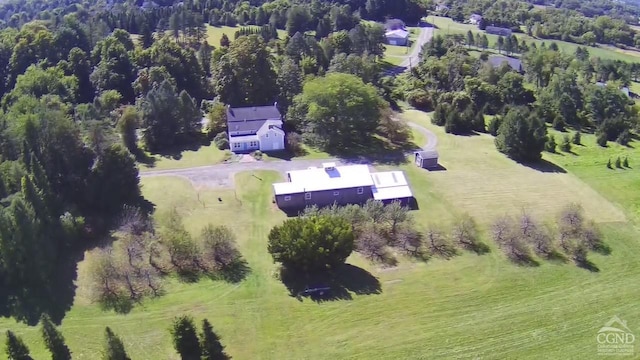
x=255, y=128
x=426, y=159
x=475, y=19
x=341, y=185
x=500, y=31
x=399, y=37
x=498, y=60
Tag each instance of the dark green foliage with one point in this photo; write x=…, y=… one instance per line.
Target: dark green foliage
x=53, y=340
x=566, y=143
x=224, y=41
x=439, y=116
x=185, y=338
x=576, y=138
x=618, y=163
x=521, y=135
x=601, y=138
x=624, y=138
x=289, y=83
x=311, y=243
x=625, y=163
x=550, y=145
x=338, y=110
x=127, y=126
x=609, y=164
x=113, y=347
x=243, y=77
x=210, y=344
x=558, y=123
x=494, y=125
x=168, y=119
x=114, y=181
x=15, y=349
x=478, y=124
x=221, y=140
x=420, y=99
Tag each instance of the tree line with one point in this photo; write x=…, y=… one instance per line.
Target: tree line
x=188, y=343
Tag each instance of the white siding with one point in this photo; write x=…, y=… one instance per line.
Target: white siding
x=272, y=139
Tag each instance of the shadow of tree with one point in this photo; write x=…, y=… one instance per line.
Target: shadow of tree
x=587, y=265
x=236, y=272
x=544, y=166
x=376, y=150
x=343, y=282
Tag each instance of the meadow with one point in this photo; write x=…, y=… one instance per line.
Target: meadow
x=445, y=25
x=472, y=306
x=214, y=33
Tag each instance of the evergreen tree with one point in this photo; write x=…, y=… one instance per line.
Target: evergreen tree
x=440, y=114
x=185, y=338
x=146, y=36
x=521, y=135
x=550, y=145
x=609, y=163
x=224, y=41
x=210, y=344
x=618, y=163
x=576, y=138
x=15, y=347
x=625, y=163
x=566, y=144
x=53, y=340
x=290, y=84
x=113, y=347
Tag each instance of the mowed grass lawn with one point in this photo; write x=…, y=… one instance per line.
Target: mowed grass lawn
x=445, y=25
x=468, y=307
x=214, y=33
x=202, y=156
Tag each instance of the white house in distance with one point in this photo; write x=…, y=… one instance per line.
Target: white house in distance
x=475, y=19
x=255, y=128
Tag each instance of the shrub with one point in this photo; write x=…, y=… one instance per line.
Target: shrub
x=577, y=138
x=257, y=155
x=609, y=163
x=494, y=125
x=420, y=99
x=625, y=163
x=550, y=145
x=221, y=141
x=601, y=138
x=566, y=144
x=618, y=163
x=624, y=138
x=558, y=123
x=296, y=243
x=294, y=143
x=439, y=116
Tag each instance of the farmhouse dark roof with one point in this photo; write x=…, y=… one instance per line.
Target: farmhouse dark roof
x=498, y=60
x=428, y=154
x=394, y=24
x=251, y=113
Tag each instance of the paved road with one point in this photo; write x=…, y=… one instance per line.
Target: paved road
x=221, y=175
x=414, y=58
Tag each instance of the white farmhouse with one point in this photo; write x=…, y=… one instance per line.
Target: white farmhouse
x=255, y=128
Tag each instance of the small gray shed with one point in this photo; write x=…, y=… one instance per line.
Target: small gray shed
x=426, y=159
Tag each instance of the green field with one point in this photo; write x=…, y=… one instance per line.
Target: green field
x=214, y=33
x=445, y=25
x=468, y=307
x=204, y=155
